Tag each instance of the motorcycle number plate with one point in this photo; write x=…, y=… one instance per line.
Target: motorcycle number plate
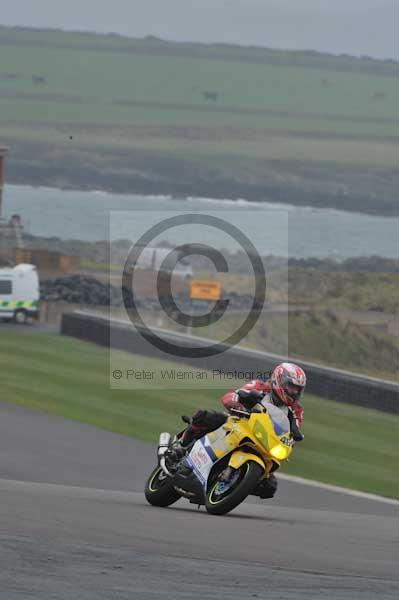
x=201, y=461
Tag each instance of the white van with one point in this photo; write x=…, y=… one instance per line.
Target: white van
x=19, y=293
x=166, y=259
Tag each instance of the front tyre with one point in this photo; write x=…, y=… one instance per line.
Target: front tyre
x=20, y=317
x=220, y=503
x=159, y=490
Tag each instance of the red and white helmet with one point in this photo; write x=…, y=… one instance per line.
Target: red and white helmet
x=288, y=382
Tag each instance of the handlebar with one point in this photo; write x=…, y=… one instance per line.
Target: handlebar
x=241, y=412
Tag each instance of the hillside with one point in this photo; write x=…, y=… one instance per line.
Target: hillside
x=103, y=111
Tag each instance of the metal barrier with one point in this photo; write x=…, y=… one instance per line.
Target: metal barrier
x=333, y=384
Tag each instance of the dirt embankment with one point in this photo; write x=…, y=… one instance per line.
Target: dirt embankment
x=367, y=190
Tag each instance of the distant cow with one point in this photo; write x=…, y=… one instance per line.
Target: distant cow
x=210, y=95
x=327, y=82
x=379, y=95
x=38, y=80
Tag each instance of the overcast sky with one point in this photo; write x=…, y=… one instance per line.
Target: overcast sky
x=338, y=26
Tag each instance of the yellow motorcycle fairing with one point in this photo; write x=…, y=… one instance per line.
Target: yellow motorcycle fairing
x=264, y=438
x=238, y=458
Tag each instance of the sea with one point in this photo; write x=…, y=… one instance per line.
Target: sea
x=278, y=229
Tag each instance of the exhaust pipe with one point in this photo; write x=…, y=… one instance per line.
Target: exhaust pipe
x=163, y=446
x=164, y=467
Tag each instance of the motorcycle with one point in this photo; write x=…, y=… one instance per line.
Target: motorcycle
x=225, y=466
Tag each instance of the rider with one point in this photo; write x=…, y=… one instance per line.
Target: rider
x=284, y=389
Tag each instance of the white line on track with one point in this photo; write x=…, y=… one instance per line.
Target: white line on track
x=84, y=492
x=338, y=489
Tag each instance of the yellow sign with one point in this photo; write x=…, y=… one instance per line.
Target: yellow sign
x=205, y=290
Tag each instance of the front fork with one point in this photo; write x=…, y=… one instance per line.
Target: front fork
x=227, y=479
x=229, y=475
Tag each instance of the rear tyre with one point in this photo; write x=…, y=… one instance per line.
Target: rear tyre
x=20, y=317
x=220, y=504
x=159, y=490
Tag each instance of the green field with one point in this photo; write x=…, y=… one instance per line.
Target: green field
x=101, y=76
x=102, y=81
x=248, y=116
x=344, y=445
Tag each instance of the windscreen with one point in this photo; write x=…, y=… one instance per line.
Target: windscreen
x=280, y=420
x=5, y=286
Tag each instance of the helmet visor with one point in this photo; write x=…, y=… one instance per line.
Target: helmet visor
x=293, y=391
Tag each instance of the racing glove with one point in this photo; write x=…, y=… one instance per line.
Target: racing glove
x=249, y=398
x=296, y=432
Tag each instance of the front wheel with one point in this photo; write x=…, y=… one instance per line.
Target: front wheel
x=20, y=317
x=159, y=490
x=219, y=501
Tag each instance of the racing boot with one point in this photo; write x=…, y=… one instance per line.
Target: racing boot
x=183, y=443
x=267, y=487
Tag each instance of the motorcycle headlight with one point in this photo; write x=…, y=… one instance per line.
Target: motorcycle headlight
x=279, y=452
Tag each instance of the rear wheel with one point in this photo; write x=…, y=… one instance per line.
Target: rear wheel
x=222, y=499
x=159, y=490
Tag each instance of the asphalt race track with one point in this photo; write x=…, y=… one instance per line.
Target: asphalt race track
x=74, y=524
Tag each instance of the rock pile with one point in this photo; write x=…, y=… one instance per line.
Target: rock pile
x=85, y=290
x=80, y=290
